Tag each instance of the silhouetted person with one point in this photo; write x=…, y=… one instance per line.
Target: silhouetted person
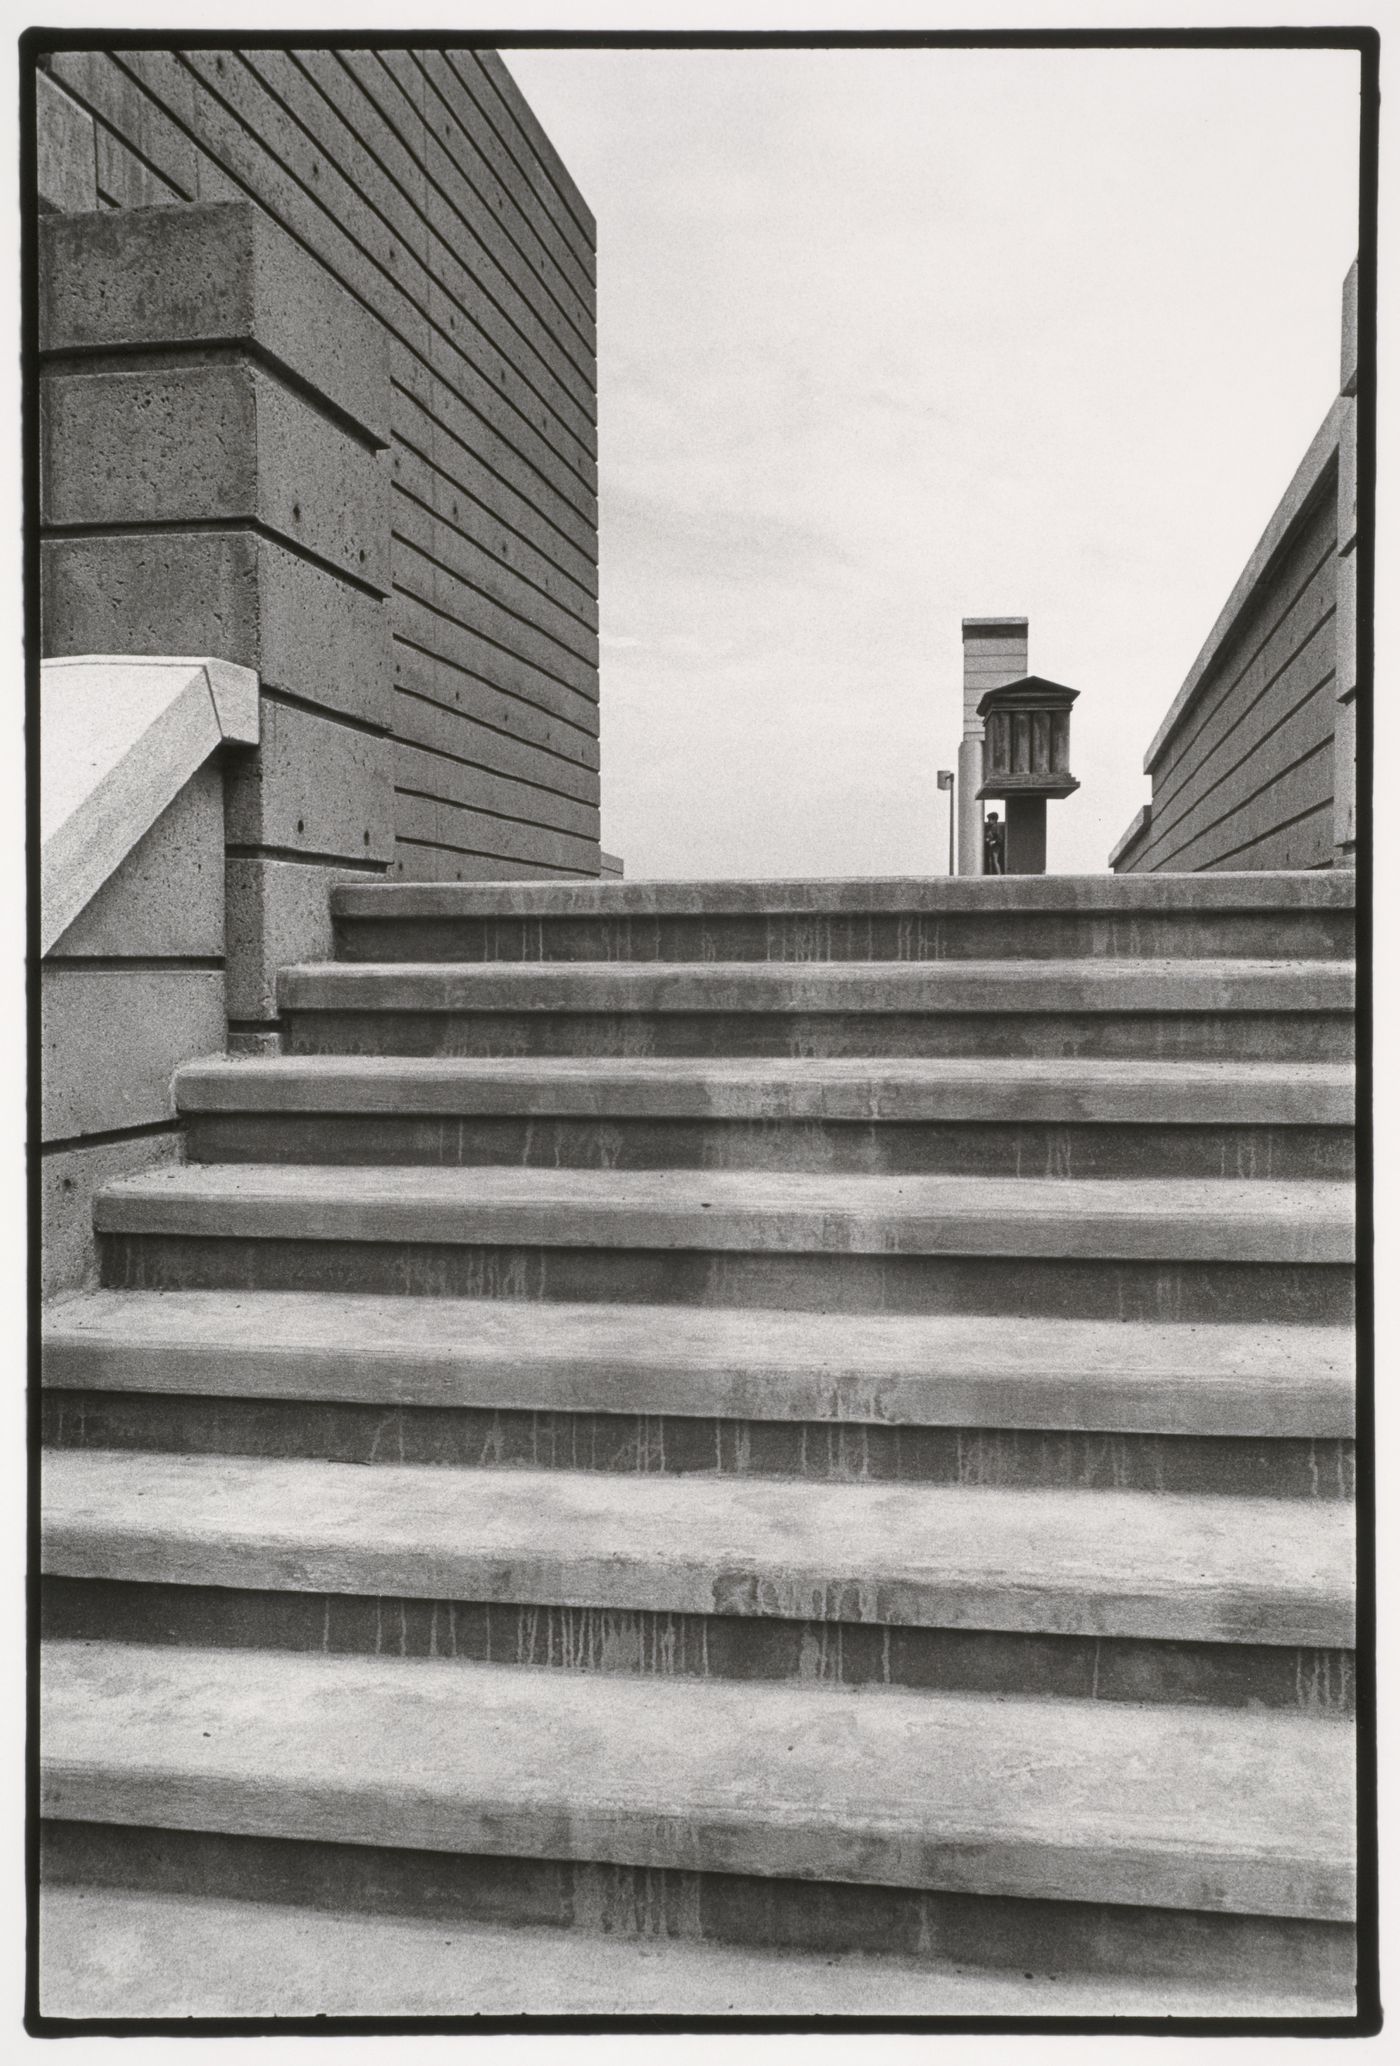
x=993, y=846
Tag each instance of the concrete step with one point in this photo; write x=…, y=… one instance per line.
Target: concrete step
x=869, y=1398
x=1086, y=1248
x=1191, y=1008
x=867, y=1369
x=901, y=919
x=1030, y=1116
x=784, y=1211
x=128, y=1952
x=1143, y=1564
x=1240, y=1812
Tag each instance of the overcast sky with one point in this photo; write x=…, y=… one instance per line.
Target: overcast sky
x=887, y=339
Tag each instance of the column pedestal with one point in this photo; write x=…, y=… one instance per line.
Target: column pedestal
x=1025, y=835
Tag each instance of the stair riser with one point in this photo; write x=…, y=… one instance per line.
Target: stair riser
x=728, y=1646
x=487, y=1437
x=831, y=1282
x=1183, y=1036
x=1263, y=1954
x=889, y=936
x=965, y=1148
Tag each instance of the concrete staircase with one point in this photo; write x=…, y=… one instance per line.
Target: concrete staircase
x=773, y=1447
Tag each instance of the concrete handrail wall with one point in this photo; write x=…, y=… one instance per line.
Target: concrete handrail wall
x=119, y=739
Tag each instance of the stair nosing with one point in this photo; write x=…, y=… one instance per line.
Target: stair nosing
x=1235, y=1810
x=845, y=1369
x=1173, y=1567
x=766, y=1212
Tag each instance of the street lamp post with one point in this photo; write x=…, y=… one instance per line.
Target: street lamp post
x=945, y=781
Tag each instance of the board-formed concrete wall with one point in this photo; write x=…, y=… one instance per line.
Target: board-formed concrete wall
x=1254, y=765
x=423, y=188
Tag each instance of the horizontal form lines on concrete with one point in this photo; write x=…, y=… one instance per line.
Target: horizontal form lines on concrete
x=419, y=479
x=250, y=100
x=260, y=175
x=418, y=780
x=480, y=293
x=563, y=547
x=1283, y=620
x=423, y=620
x=490, y=458
x=458, y=696
x=512, y=210
x=528, y=280
x=1280, y=831
x=461, y=735
x=542, y=634
x=501, y=864
x=513, y=120
x=1244, y=712
x=1237, y=799
x=419, y=772
x=456, y=822
x=1287, y=791
x=551, y=716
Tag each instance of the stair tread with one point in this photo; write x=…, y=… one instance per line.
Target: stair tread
x=1165, y=1566
x=1239, y=1810
x=890, y=1368
x=907, y=1088
x=129, y=1953
x=1271, y=890
x=1105, y=983
x=770, y=1211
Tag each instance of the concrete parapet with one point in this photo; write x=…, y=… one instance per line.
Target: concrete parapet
x=212, y=274
x=214, y=417
x=219, y=442
x=299, y=626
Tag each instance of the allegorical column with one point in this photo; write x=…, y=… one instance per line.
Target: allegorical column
x=995, y=651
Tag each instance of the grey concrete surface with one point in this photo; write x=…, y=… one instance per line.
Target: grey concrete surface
x=1249, y=1813
x=297, y=624
x=1217, y=891
x=128, y=1953
x=65, y=151
x=896, y=1370
x=992, y=1089
x=68, y=1180
x=224, y=441
x=209, y=274
x=1167, y=1567
x=758, y=1211
x=317, y=786
x=166, y=899
x=113, y=1038
x=1167, y=987
x=275, y=908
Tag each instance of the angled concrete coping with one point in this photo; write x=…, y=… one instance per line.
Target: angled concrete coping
x=119, y=738
x=1297, y=496
x=1133, y=834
